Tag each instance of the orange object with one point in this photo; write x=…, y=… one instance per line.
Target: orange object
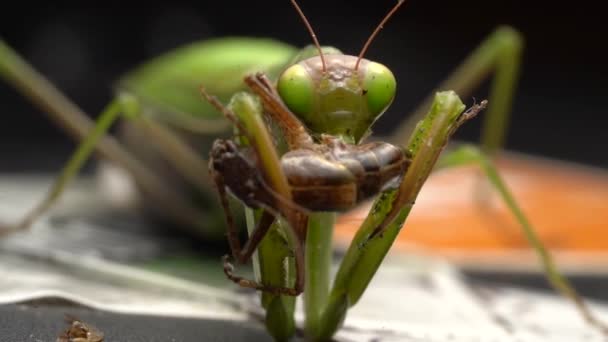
x=459, y=216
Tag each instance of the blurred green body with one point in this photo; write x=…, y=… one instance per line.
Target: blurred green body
x=170, y=83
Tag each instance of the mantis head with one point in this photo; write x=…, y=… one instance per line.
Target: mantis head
x=338, y=94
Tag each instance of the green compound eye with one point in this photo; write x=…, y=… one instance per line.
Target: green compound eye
x=297, y=90
x=380, y=86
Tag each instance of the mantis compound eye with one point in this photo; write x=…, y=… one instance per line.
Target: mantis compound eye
x=296, y=88
x=379, y=86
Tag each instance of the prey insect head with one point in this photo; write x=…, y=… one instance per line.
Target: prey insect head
x=338, y=94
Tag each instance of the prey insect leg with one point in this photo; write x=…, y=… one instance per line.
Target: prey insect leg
x=242, y=255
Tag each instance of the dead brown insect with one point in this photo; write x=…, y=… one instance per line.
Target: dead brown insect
x=79, y=331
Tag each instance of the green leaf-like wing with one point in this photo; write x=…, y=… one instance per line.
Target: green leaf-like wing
x=169, y=84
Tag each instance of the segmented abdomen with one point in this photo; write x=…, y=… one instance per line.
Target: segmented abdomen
x=343, y=175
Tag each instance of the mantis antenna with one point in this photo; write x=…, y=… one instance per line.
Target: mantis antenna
x=375, y=33
x=312, y=32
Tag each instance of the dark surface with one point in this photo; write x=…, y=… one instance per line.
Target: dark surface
x=44, y=323
x=559, y=110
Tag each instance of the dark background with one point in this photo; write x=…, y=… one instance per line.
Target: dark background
x=559, y=109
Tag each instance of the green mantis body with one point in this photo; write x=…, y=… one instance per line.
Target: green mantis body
x=162, y=97
x=143, y=93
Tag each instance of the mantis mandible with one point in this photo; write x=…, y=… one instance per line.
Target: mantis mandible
x=143, y=90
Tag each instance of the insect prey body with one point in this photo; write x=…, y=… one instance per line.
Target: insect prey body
x=334, y=176
x=342, y=175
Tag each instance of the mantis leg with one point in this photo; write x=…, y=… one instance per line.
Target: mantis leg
x=501, y=53
x=470, y=154
x=72, y=119
x=109, y=116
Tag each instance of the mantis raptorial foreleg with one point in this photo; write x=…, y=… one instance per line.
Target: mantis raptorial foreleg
x=364, y=255
x=280, y=258
x=404, y=198
x=469, y=154
x=246, y=113
x=499, y=53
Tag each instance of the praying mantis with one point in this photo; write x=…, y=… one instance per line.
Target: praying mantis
x=284, y=268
